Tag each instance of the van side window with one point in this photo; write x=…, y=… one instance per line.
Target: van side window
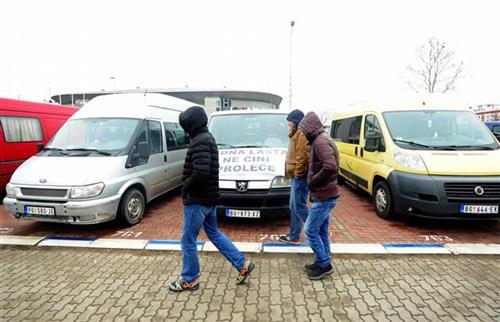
x=176, y=137
x=21, y=129
x=372, y=125
x=347, y=130
x=155, y=137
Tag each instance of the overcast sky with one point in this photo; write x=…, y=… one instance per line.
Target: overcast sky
x=342, y=51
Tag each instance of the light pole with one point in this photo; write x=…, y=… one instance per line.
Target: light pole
x=114, y=83
x=290, y=93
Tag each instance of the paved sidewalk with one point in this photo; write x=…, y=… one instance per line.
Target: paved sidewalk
x=71, y=284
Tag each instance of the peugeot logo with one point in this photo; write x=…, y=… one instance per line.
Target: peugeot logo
x=478, y=190
x=241, y=186
x=43, y=180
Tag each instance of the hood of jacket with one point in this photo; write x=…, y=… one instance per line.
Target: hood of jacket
x=193, y=119
x=311, y=126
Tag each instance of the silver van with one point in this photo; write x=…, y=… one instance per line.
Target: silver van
x=108, y=160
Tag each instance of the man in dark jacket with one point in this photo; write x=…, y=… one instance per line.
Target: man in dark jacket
x=200, y=193
x=322, y=181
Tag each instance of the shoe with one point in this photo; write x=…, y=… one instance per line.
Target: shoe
x=245, y=271
x=319, y=272
x=180, y=285
x=309, y=267
x=288, y=240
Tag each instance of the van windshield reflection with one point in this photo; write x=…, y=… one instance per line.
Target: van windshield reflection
x=103, y=136
x=438, y=130
x=250, y=130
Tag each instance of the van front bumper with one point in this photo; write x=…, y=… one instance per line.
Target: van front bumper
x=443, y=196
x=269, y=202
x=78, y=212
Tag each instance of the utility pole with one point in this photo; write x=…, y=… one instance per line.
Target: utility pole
x=290, y=93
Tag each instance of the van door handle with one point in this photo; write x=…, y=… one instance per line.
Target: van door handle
x=361, y=152
x=355, y=150
x=165, y=158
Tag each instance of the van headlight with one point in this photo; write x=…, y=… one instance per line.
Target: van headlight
x=410, y=160
x=89, y=191
x=280, y=182
x=10, y=190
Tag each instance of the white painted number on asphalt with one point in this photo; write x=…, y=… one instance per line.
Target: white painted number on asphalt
x=437, y=238
x=5, y=230
x=127, y=234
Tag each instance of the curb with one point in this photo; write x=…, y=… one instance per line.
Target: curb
x=269, y=247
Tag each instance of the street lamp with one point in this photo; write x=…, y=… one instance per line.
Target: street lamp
x=292, y=23
x=114, y=83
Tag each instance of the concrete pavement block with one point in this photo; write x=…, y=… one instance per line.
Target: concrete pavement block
x=242, y=247
x=20, y=240
x=169, y=245
x=484, y=249
x=416, y=249
x=119, y=243
x=67, y=242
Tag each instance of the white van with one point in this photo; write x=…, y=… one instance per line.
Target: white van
x=110, y=158
x=252, y=153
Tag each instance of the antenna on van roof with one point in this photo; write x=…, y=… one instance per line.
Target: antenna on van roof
x=145, y=91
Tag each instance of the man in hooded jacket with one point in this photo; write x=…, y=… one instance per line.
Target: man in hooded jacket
x=200, y=193
x=322, y=181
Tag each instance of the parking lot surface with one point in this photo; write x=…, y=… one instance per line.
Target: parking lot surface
x=56, y=284
x=354, y=221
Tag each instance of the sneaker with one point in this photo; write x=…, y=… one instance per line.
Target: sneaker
x=245, y=271
x=319, y=272
x=180, y=285
x=288, y=240
x=310, y=267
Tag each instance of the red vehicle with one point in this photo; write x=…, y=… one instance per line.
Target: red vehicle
x=24, y=128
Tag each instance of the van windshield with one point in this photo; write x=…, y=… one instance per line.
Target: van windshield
x=438, y=130
x=250, y=130
x=94, y=134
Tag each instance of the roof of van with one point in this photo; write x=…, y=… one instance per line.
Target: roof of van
x=409, y=103
x=259, y=111
x=14, y=105
x=137, y=105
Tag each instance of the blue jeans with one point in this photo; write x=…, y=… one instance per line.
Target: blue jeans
x=316, y=230
x=196, y=216
x=298, y=206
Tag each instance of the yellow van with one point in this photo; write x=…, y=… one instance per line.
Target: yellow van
x=420, y=158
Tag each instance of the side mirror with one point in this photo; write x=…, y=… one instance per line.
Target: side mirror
x=373, y=142
x=39, y=147
x=144, y=149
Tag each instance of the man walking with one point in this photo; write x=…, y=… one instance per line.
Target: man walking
x=322, y=182
x=200, y=193
x=297, y=163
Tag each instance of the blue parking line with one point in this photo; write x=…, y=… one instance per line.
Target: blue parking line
x=414, y=245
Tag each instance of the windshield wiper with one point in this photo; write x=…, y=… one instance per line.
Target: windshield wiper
x=414, y=143
x=252, y=146
x=225, y=145
x=89, y=150
x=468, y=147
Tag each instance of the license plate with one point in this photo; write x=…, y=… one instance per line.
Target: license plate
x=43, y=211
x=242, y=213
x=478, y=209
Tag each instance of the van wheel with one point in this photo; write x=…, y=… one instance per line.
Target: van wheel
x=132, y=207
x=382, y=199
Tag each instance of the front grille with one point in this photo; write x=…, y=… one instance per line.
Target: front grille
x=465, y=191
x=34, y=192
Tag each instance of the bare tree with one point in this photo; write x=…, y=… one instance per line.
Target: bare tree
x=437, y=69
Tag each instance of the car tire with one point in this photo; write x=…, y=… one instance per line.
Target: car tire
x=132, y=206
x=383, y=201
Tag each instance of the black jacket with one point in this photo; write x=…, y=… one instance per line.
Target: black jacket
x=200, y=178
